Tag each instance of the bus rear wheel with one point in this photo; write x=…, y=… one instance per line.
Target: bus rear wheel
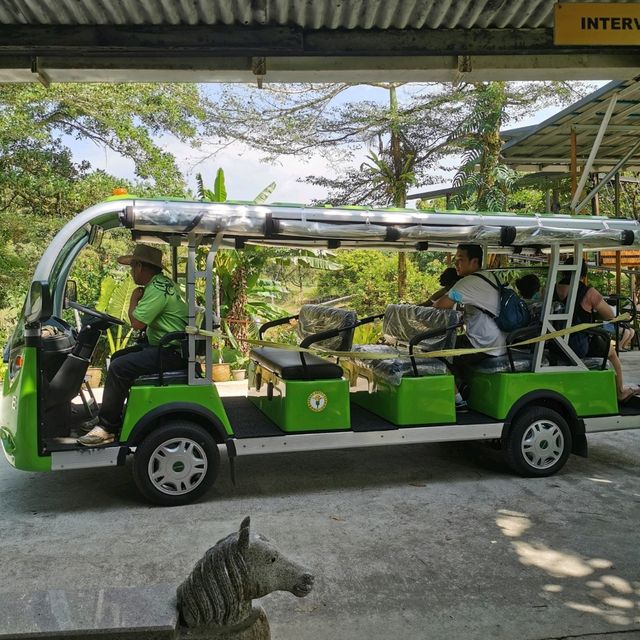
x=538, y=442
x=176, y=463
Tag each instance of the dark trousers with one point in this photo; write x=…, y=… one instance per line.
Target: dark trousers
x=461, y=365
x=126, y=365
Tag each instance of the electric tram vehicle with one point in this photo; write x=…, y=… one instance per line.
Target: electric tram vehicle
x=538, y=402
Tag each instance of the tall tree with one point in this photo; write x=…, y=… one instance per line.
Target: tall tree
x=409, y=132
x=484, y=182
x=37, y=123
x=42, y=185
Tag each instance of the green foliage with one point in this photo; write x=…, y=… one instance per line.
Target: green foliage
x=482, y=180
x=370, y=277
x=262, y=197
x=248, y=298
x=41, y=186
x=124, y=117
x=369, y=333
x=114, y=300
x=394, y=120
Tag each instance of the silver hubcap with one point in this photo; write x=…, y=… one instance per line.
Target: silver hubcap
x=542, y=444
x=177, y=466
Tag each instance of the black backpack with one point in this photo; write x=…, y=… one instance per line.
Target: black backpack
x=513, y=312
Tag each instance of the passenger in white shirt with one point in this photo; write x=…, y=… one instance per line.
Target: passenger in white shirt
x=478, y=297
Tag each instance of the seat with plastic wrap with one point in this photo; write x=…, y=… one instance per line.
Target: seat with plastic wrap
x=302, y=391
x=517, y=359
x=317, y=325
x=404, y=389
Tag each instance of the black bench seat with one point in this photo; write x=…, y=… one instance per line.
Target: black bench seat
x=318, y=325
x=288, y=364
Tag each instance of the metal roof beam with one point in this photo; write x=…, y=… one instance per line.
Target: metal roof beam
x=607, y=177
x=177, y=67
x=268, y=40
x=594, y=151
x=36, y=39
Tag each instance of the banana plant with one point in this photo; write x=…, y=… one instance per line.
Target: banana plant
x=114, y=300
x=245, y=293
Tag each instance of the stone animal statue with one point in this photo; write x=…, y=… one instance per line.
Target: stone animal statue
x=215, y=600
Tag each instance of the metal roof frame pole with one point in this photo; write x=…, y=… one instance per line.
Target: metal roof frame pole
x=566, y=318
x=207, y=275
x=192, y=274
x=608, y=176
x=594, y=151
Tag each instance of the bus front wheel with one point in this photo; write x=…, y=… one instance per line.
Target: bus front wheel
x=176, y=463
x=538, y=442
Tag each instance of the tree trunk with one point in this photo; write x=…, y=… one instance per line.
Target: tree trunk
x=399, y=186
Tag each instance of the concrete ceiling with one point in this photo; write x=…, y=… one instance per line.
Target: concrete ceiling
x=294, y=41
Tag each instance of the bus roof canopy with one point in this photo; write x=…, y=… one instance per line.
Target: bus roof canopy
x=361, y=227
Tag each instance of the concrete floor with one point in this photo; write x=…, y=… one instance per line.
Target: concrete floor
x=427, y=541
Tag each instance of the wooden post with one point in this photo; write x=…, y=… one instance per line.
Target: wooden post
x=616, y=192
x=618, y=272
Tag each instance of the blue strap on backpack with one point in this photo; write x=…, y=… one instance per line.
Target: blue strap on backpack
x=513, y=312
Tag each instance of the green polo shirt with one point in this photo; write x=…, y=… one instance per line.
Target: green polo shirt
x=161, y=308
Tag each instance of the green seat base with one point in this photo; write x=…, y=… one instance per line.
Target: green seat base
x=302, y=406
x=592, y=393
x=425, y=400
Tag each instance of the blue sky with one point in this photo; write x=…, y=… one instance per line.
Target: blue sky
x=246, y=175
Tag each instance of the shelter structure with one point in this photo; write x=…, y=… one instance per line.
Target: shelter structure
x=598, y=134
x=302, y=41
x=594, y=137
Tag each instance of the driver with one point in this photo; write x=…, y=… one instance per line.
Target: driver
x=156, y=306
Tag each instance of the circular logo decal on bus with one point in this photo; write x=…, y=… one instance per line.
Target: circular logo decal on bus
x=317, y=401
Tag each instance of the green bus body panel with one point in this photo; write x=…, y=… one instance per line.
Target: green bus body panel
x=307, y=405
x=144, y=399
x=425, y=400
x=592, y=393
x=19, y=417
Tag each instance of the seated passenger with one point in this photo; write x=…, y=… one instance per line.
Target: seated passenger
x=447, y=279
x=623, y=333
x=529, y=289
x=626, y=336
x=481, y=304
x=589, y=302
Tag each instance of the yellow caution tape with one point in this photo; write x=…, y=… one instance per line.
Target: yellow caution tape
x=442, y=353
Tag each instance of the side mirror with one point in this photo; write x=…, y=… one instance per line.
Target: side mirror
x=70, y=293
x=38, y=304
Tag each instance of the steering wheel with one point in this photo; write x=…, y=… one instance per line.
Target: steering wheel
x=96, y=314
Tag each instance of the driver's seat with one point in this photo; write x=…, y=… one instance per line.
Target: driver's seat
x=163, y=377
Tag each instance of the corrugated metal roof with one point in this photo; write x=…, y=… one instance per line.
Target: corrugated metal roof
x=308, y=14
x=549, y=143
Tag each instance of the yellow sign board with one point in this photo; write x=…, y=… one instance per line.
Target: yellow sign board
x=602, y=23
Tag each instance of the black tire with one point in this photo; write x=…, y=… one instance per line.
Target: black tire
x=538, y=442
x=192, y=462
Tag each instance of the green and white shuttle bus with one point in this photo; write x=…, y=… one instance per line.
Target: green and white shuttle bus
x=539, y=403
